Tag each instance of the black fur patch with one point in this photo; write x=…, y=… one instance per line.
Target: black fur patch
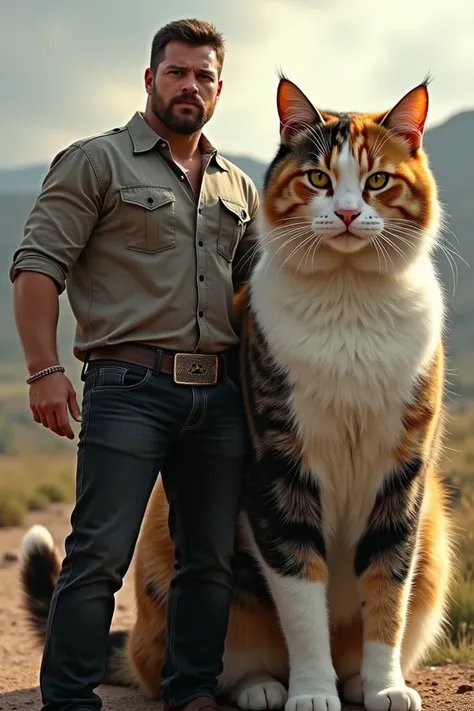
x=393, y=524
x=318, y=140
x=38, y=580
x=275, y=533
x=281, y=154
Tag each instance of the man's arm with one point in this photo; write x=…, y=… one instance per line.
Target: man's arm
x=56, y=231
x=36, y=308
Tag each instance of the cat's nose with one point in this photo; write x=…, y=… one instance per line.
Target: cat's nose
x=348, y=216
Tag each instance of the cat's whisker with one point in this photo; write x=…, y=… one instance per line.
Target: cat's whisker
x=283, y=230
x=405, y=224
x=285, y=244
x=285, y=234
x=444, y=244
x=448, y=249
x=445, y=228
x=295, y=251
x=313, y=249
x=314, y=239
x=379, y=251
x=297, y=235
x=385, y=238
x=401, y=238
x=317, y=245
x=452, y=265
x=249, y=257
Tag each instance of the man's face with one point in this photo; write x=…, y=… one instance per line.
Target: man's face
x=186, y=87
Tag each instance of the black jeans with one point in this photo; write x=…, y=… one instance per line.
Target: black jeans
x=134, y=424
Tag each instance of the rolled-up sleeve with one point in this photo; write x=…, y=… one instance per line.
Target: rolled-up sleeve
x=62, y=218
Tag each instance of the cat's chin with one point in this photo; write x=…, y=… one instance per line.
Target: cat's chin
x=347, y=243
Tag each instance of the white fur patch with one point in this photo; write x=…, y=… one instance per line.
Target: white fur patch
x=302, y=609
x=37, y=538
x=353, y=346
x=258, y=692
x=383, y=685
x=242, y=664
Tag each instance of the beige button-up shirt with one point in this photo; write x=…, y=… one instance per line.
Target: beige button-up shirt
x=142, y=257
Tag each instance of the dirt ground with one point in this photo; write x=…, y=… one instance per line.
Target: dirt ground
x=442, y=689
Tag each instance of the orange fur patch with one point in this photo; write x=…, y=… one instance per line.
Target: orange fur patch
x=422, y=416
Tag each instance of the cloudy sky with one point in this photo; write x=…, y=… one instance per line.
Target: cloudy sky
x=71, y=69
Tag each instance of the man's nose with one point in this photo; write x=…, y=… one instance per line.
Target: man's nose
x=190, y=86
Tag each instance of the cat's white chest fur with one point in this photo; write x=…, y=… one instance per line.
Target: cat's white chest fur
x=353, y=345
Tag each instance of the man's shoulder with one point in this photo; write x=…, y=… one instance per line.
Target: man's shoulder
x=98, y=140
x=98, y=149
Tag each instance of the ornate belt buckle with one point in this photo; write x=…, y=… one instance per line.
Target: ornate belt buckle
x=195, y=369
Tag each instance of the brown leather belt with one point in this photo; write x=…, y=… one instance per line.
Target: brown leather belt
x=186, y=368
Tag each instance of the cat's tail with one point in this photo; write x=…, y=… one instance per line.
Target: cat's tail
x=40, y=565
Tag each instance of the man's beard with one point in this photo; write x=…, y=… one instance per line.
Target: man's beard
x=185, y=124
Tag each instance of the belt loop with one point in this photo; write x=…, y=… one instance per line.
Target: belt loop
x=84, y=366
x=157, y=367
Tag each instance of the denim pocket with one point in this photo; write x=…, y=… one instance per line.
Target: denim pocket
x=119, y=376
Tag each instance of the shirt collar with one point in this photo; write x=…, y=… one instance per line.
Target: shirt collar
x=144, y=138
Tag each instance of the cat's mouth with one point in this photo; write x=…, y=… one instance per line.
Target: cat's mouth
x=347, y=242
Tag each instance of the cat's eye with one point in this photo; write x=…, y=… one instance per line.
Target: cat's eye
x=319, y=179
x=377, y=181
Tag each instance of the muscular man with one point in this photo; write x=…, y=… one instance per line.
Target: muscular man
x=147, y=226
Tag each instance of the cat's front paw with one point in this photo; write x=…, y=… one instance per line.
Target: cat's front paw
x=396, y=698
x=259, y=693
x=313, y=702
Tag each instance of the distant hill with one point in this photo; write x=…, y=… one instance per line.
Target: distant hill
x=451, y=152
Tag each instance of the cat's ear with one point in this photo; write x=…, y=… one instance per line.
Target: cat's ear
x=295, y=110
x=408, y=117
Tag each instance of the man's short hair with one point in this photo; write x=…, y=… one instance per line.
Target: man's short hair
x=194, y=32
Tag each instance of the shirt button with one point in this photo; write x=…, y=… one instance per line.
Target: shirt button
x=200, y=210
x=149, y=200
x=181, y=177
x=201, y=314
x=201, y=278
x=201, y=243
x=243, y=214
x=163, y=144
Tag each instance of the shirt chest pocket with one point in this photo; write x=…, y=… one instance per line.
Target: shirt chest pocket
x=148, y=218
x=232, y=223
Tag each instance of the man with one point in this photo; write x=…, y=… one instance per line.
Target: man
x=146, y=225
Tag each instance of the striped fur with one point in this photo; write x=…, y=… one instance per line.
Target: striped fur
x=343, y=560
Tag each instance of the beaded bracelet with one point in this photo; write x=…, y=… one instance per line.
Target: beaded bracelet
x=45, y=371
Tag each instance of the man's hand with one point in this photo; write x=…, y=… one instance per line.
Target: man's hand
x=50, y=399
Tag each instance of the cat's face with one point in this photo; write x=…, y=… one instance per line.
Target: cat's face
x=349, y=187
